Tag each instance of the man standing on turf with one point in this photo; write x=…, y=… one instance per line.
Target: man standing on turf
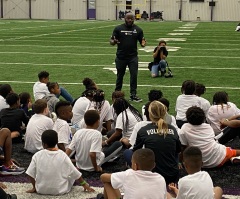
x=126, y=37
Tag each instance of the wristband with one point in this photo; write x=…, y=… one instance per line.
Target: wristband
x=226, y=120
x=83, y=183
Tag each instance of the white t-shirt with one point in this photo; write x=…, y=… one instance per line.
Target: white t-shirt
x=40, y=90
x=53, y=172
x=85, y=141
x=196, y=186
x=121, y=123
x=183, y=103
x=37, y=124
x=79, y=109
x=113, y=116
x=105, y=115
x=217, y=112
x=64, y=132
x=3, y=103
x=202, y=136
x=136, y=128
x=205, y=104
x=140, y=184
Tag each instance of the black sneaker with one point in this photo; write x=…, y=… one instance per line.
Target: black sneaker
x=13, y=196
x=100, y=196
x=163, y=73
x=135, y=98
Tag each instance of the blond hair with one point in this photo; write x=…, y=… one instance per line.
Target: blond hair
x=157, y=112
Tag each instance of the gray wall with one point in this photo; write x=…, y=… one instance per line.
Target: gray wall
x=225, y=10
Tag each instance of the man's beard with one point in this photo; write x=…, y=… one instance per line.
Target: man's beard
x=129, y=25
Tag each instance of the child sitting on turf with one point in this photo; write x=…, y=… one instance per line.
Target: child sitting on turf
x=87, y=143
x=13, y=117
x=51, y=98
x=51, y=171
x=138, y=182
x=5, y=89
x=64, y=113
x=38, y=123
x=197, y=184
x=26, y=103
x=200, y=134
x=127, y=117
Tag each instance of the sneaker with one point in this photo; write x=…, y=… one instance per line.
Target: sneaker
x=135, y=98
x=11, y=170
x=235, y=160
x=100, y=196
x=12, y=196
x=114, y=158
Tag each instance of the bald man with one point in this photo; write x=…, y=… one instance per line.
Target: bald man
x=126, y=36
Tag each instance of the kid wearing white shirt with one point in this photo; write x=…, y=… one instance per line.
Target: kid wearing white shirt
x=138, y=182
x=87, y=143
x=64, y=113
x=51, y=171
x=200, y=134
x=37, y=124
x=197, y=184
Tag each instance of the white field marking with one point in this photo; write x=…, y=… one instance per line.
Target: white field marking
x=191, y=24
x=43, y=46
x=151, y=48
x=142, y=66
x=179, y=30
x=144, y=85
x=55, y=33
x=54, y=25
x=186, y=27
x=174, y=34
x=236, y=44
x=103, y=47
x=34, y=64
x=57, y=41
x=83, y=54
x=172, y=39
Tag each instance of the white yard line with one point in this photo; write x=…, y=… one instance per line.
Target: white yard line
x=49, y=26
x=55, y=33
x=152, y=47
x=142, y=66
x=84, y=54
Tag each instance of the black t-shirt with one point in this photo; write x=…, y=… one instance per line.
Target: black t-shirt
x=12, y=119
x=165, y=148
x=128, y=38
x=157, y=59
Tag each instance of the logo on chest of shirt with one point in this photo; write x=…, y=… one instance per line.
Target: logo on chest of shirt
x=156, y=131
x=129, y=32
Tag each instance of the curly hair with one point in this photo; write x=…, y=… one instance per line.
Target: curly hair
x=154, y=95
x=195, y=115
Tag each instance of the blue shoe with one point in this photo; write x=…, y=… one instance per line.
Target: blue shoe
x=11, y=170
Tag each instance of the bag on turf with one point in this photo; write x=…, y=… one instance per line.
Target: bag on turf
x=169, y=72
x=150, y=65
